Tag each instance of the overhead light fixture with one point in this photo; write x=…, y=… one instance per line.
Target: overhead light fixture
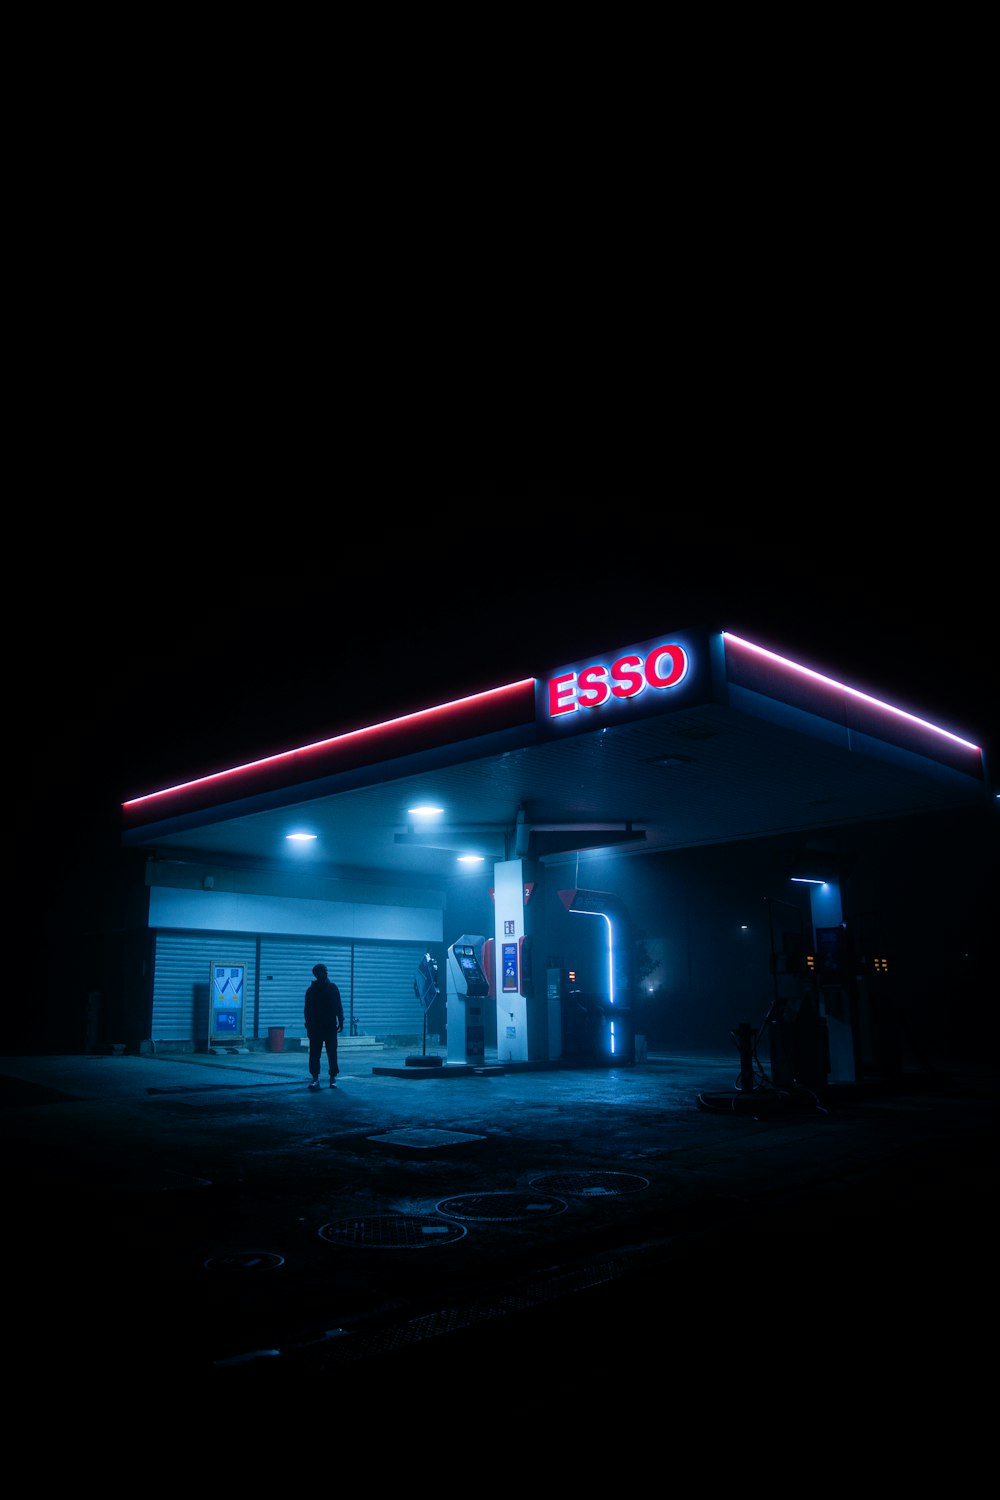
x=426, y=811
x=300, y=838
x=470, y=859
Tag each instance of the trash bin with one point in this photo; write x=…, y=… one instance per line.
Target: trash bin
x=276, y=1039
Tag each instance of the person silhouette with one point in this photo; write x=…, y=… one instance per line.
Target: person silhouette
x=324, y=1018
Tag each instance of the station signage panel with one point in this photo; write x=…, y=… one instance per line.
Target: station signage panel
x=630, y=683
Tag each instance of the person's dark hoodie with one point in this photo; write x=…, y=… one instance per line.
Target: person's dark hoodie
x=324, y=1007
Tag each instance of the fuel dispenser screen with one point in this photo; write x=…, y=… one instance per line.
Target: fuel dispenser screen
x=472, y=974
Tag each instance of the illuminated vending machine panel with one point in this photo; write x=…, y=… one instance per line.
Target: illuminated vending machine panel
x=226, y=1026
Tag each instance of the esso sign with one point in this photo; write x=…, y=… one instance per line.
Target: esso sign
x=630, y=675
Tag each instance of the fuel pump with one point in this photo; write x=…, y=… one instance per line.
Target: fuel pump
x=468, y=993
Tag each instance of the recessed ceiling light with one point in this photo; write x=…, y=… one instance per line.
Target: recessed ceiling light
x=425, y=811
x=470, y=859
x=300, y=838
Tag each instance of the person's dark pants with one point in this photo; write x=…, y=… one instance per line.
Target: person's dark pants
x=316, y=1043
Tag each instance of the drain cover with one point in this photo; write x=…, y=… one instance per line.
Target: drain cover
x=245, y=1260
x=590, y=1184
x=392, y=1232
x=425, y=1138
x=502, y=1206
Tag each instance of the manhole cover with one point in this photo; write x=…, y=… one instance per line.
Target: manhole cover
x=425, y=1138
x=502, y=1206
x=392, y=1232
x=245, y=1260
x=590, y=1184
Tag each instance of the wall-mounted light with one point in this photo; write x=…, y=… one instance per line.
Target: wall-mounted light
x=300, y=838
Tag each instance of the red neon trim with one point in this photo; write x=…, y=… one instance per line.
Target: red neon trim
x=478, y=713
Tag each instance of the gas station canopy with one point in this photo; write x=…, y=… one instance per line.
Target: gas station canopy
x=697, y=737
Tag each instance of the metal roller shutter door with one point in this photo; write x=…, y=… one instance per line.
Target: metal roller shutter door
x=384, y=1001
x=286, y=966
x=375, y=980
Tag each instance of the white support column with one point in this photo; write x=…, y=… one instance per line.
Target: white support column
x=511, y=983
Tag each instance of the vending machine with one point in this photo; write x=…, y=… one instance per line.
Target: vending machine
x=226, y=1023
x=467, y=997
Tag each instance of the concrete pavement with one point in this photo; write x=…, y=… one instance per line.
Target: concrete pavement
x=207, y=1220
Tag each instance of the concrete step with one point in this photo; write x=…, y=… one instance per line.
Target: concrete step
x=367, y=1044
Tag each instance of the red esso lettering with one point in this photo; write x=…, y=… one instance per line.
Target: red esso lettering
x=626, y=675
x=664, y=667
x=593, y=687
x=562, y=695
